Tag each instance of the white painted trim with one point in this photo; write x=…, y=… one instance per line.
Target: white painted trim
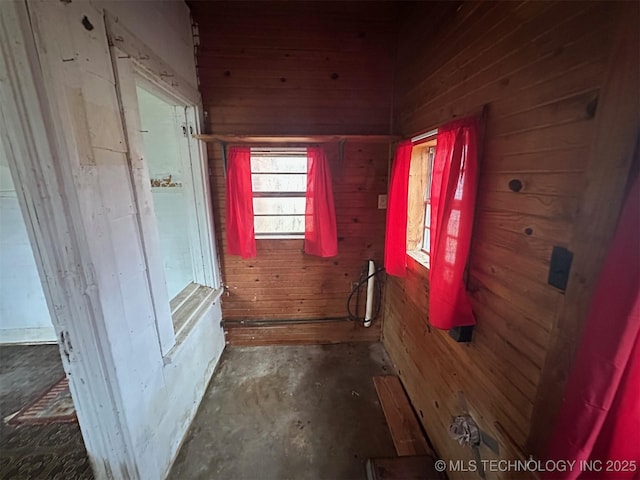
x=28, y=336
x=149, y=64
x=39, y=155
x=200, y=311
x=191, y=183
x=125, y=71
x=204, y=216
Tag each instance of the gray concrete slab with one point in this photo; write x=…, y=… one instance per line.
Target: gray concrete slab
x=289, y=412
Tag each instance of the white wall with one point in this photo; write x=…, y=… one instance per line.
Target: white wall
x=163, y=25
x=24, y=315
x=159, y=396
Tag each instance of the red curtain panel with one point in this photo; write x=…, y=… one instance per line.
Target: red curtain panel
x=395, y=250
x=320, y=233
x=241, y=239
x=599, y=422
x=453, y=197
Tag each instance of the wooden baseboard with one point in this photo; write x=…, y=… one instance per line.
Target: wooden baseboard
x=313, y=333
x=28, y=336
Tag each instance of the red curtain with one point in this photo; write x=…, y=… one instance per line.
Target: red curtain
x=320, y=232
x=395, y=250
x=453, y=196
x=600, y=416
x=241, y=239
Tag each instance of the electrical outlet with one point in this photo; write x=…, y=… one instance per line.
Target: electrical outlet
x=382, y=202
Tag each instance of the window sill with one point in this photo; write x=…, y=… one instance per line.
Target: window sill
x=186, y=310
x=420, y=257
x=280, y=237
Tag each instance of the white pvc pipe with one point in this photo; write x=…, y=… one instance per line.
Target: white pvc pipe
x=369, y=307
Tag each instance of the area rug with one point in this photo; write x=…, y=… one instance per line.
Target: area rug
x=54, y=405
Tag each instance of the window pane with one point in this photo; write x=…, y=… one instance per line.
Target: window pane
x=427, y=215
x=164, y=146
x=279, y=178
x=275, y=224
x=173, y=229
x=280, y=205
x=431, y=153
x=426, y=238
x=279, y=164
x=458, y=194
x=279, y=183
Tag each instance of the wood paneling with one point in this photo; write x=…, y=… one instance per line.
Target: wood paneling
x=296, y=67
x=540, y=67
x=610, y=161
x=301, y=68
x=347, y=68
x=282, y=282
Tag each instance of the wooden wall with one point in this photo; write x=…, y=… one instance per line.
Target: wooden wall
x=296, y=67
x=282, y=282
x=541, y=67
x=269, y=68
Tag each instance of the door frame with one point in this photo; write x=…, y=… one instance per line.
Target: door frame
x=36, y=149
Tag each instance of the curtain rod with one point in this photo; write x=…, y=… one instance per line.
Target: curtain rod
x=482, y=112
x=283, y=139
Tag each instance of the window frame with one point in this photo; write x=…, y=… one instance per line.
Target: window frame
x=426, y=223
x=191, y=179
x=173, y=316
x=415, y=246
x=290, y=151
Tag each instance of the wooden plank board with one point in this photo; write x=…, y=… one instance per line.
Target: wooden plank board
x=517, y=70
x=418, y=467
x=332, y=72
x=608, y=167
x=282, y=282
x=405, y=429
x=437, y=393
x=470, y=95
x=182, y=296
x=540, y=74
x=189, y=308
x=449, y=368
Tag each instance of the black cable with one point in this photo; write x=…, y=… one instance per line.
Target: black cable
x=364, y=278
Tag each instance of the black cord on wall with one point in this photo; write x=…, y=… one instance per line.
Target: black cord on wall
x=355, y=294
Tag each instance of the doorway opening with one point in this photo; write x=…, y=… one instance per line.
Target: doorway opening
x=39, y=432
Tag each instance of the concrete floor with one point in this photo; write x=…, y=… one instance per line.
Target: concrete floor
x=289, y=412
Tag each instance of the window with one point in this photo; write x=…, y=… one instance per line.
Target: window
x=440, y=184
x=293, y=198
x=419, y=200
x=177, y=239
x=168, y=174
x=175, y=182
x=279, y=179
x=430, y=154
